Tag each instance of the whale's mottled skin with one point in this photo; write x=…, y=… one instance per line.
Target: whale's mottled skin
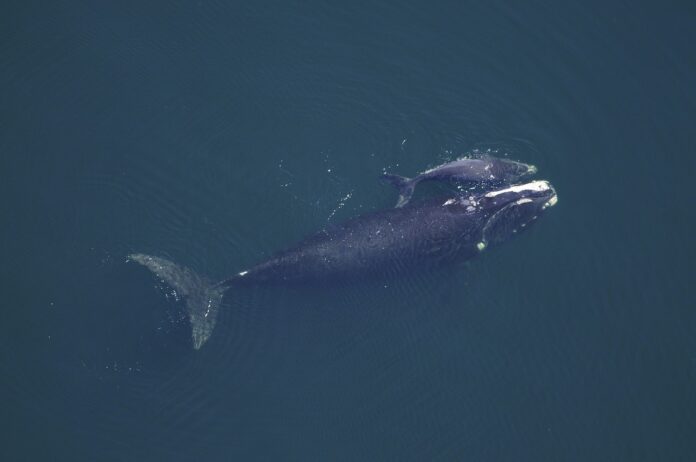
x=484, y=169
x=377, y=244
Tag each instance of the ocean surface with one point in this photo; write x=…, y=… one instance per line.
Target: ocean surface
x=216, y=133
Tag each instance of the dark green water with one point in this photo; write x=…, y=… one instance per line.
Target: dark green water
x=215, y=134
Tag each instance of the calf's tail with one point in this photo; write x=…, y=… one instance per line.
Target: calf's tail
x=404, y=185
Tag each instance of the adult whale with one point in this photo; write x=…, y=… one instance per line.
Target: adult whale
x=377, y=244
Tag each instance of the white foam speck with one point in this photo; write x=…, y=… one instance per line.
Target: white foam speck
x=340, y=205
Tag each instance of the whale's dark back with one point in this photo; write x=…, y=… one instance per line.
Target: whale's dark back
x=383, y=242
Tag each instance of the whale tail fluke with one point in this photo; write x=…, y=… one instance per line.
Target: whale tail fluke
x=403, y=184
x=202, y=298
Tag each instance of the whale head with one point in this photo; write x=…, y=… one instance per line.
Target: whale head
x=510, y=170
x=513, y=209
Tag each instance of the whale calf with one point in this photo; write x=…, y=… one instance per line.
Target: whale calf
x=375, y=245
x=482, y=169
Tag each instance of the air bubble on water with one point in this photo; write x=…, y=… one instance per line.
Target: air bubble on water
x=341, y=204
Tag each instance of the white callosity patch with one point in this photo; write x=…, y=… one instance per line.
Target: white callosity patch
x=553, y=201
x=535, y=186
x=523, y=201
x=242, y=273
x=481, y=246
